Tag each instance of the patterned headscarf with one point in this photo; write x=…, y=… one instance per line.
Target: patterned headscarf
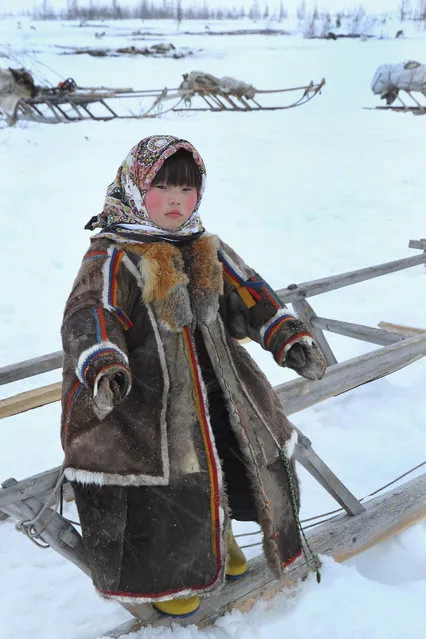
x=124, y=216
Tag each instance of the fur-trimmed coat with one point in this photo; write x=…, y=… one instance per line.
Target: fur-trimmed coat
x=147, y=478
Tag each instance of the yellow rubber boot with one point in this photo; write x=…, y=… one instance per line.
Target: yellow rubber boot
x=184, y=607
x=236, y=565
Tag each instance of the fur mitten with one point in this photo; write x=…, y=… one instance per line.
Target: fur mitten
x=306, y=359
x=111, y=389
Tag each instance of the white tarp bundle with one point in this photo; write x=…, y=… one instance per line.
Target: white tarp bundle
x=390, y=78
x=200, y=81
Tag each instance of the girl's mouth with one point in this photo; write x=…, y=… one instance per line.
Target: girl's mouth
x=173, y=214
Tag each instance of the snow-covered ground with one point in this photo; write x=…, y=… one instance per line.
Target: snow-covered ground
x=301, y=194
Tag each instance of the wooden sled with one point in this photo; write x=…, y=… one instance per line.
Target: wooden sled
x=410, y=105
x=358, y=524
x=99, y=103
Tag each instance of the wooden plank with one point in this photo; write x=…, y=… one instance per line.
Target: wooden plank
x=418, y=244
x=357, y=331
x=295, y=292
x=341, y=537
x=308, y=458
x=306, y=314
x=301, y=393
x=41, y=483
x=30, y=367
x=400, y=329
x=30, y=399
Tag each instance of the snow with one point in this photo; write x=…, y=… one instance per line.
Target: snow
x=313, y=191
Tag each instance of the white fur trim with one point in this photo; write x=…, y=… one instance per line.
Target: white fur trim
x=188, y=592
x=163, y=423
x=113, y=479
x=132, y=269
x=290, y=445
x=91, y=351
x=237, y=269
x=302, y=340
x=282, y=312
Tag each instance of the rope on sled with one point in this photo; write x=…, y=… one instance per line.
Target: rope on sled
x=28, y=526
x=335, y=512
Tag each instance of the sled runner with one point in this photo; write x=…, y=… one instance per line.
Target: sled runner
x=357, y=525
x=198, y=92
x=396, y=84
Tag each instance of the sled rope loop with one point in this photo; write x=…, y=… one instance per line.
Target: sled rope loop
x=311, y=558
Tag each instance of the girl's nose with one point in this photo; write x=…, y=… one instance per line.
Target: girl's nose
x=174, y=197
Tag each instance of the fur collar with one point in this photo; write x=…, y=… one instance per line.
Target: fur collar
x=181, y=282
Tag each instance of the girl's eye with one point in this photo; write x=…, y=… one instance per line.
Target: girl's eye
x=162, y=187
x=188, y=188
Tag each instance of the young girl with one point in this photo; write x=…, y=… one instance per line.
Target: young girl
x=169, y=427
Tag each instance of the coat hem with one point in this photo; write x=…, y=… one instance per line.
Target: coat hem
x=133, y=598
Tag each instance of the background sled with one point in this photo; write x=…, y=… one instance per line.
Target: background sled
x=99, y=103
x=343, y=533
x=391, y=81
x=410, y=105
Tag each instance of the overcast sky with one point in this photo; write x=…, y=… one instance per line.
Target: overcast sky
x=371, y=6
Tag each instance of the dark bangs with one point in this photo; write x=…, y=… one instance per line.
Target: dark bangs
x=179, y=169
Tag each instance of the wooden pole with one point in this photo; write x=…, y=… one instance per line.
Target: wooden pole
x=301, y=393
x=295, y=292
x=358, y=331
x=400, y=329
x=31, y=367
x=306, y=314
x=30, y=399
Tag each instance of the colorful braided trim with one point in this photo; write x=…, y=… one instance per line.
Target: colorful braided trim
x=286, y=346
x=111, y=287
x=248, y=290
x=98, y=350
x=273, y=328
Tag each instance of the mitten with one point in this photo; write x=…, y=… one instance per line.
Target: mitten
x=306, y=359
x=111, y=389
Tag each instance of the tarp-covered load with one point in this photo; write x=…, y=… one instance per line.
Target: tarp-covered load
x=389, y=79
x=199, y=82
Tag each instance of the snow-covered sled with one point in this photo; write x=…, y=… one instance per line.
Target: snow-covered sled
x=396, y=83
x=198, y=92
x=357, y=525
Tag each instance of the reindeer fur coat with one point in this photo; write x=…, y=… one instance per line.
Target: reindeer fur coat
x=147, y=478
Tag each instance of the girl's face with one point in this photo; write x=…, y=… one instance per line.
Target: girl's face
x=170, y=206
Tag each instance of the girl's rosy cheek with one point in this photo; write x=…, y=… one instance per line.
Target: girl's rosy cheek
x=154, y=198
x=192, y=200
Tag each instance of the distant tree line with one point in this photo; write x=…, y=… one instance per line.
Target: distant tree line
x=152, y=10
x=174, y=9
